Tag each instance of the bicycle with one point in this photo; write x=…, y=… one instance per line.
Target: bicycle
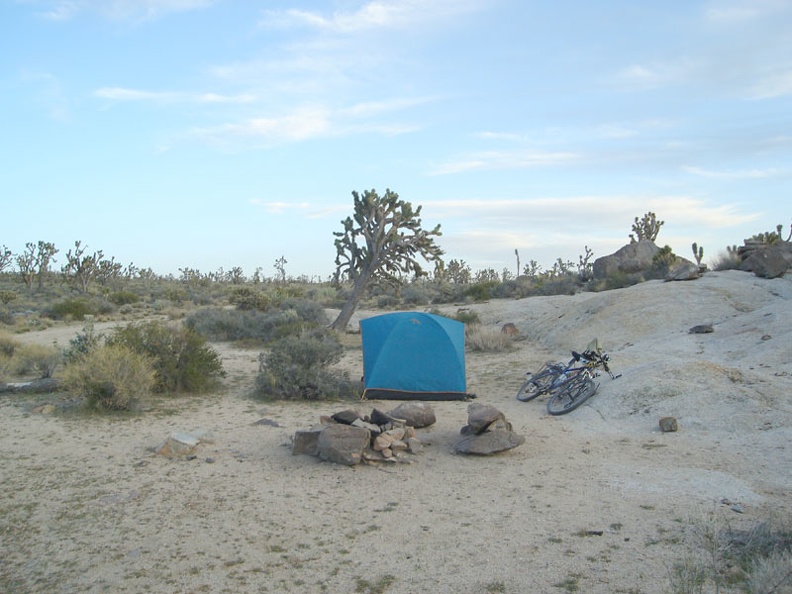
x=570, y=384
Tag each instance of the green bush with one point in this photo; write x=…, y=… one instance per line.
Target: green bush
x=247, y=298
x=78, y=308
x=257, y=326
x=83, y=343
x=181, y=358
x=123, y=298
x=297, y=368
x=111, y=377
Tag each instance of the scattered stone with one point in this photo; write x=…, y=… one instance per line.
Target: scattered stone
x=414, y=445
x=766, y=337
x=267, y=422
x=415, y=414
x=209, y=460
x=343, y=444
x=701, y=329
x=668, y=425
x=179, y=444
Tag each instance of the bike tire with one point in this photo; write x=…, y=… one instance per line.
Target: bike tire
x=537, y=384
x=571, y=396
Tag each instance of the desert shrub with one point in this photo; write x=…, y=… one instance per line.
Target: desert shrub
x=480, y=291
x=297, y=368
x=467, y=316
x=123, y=298
x=182, y=360
x=35, y=359
x=7, y=297
x=729, y=260
x=617, y=280
x=759, y=559
x=415, y=294
x=662, y=262
x=77, y=308
x=247, y=298
x=83, y=342
x=8, y=345
x=386, y=301
x=111, y=377
x=257, y=326
x=488, y=339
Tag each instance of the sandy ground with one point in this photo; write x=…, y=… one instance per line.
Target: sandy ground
x=595, y=501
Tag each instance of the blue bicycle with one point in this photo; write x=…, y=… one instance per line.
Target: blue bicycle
x=569, y=385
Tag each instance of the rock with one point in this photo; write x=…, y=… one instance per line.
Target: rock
x=701, y=329
x=382, y=442
x=499, y=425
x=38, y=386
x=489, y=442
x=380, y=418
x=414, y=445
x=179, y=444
x=510, y=329
x=769, y=261
x=683, y=270
x=668, y=424
x=396, y=433
x=347, y=417
x=481, y=416
x=415, y=414
x=632, y=258
x=343, y=444
x=374, y=429
x=306, y=442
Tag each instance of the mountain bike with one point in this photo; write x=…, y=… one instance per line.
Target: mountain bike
x=569, y=385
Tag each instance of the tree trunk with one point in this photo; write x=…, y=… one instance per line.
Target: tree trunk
x=342, y=321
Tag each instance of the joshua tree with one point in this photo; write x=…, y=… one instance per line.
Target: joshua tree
x=382, y=239
x=646, y=228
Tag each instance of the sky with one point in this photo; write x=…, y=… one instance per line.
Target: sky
x=211, y=134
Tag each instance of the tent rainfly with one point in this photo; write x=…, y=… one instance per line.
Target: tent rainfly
x=413, y=356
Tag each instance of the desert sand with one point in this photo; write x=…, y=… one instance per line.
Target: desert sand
x=595, y=501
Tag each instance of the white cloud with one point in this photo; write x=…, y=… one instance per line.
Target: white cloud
x=123, y=94
x=119, y=9
x=376, y=14
x=772, y=85
x=504, y=160
x=741, y=11
x=731, y=174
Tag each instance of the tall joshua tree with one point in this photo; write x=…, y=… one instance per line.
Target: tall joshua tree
x=382, y=239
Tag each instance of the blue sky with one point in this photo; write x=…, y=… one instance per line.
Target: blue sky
x=221, y=133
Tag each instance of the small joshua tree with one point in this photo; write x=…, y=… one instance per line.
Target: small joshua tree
x=646, y=228
x=698, y=253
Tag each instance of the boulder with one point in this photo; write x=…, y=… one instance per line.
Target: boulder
x=415, y=414
x=343, y=444
x=683, y=270
x=769, y=261
x=632, y=258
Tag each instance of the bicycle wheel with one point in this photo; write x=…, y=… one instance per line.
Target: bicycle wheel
x=537, y=384
x=572, y=395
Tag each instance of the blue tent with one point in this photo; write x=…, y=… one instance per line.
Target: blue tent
x=413, y=356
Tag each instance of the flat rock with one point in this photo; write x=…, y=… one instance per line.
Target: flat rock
x=415, y=414
x=343, y=444
x=306, y=442
x=488, y=443
x=481, y=416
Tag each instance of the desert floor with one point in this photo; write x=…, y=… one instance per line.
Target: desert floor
x=595, y=501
